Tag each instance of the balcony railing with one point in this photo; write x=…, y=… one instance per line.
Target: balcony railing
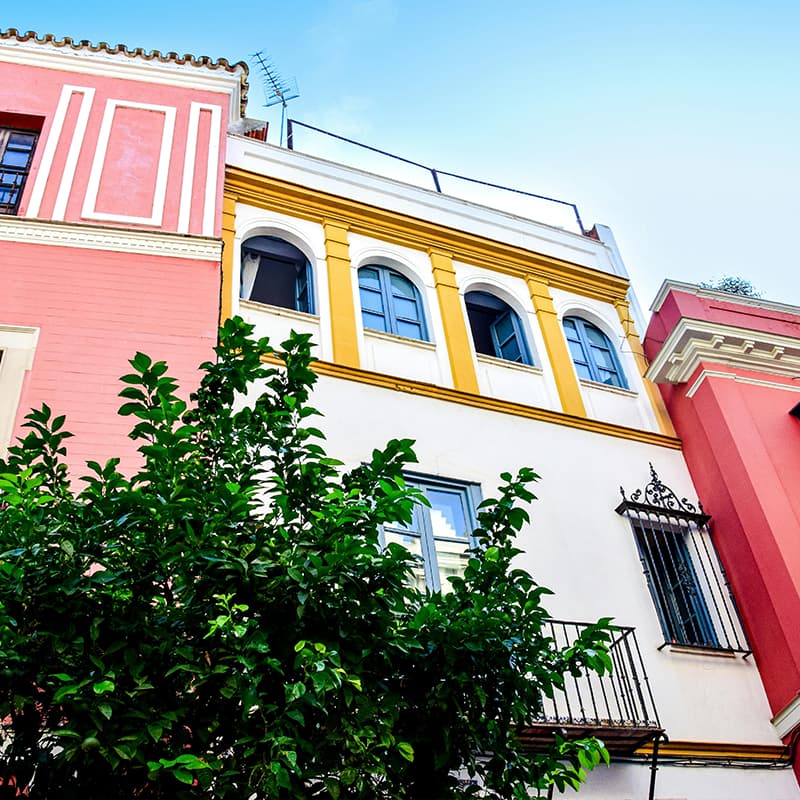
x=617, y=707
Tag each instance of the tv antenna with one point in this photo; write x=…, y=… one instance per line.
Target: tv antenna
x=277, y=89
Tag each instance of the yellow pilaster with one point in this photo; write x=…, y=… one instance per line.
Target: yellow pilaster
x=462, y=364
x=569, y=391
x=340, y=291
x=228, y=233
x=656, y=400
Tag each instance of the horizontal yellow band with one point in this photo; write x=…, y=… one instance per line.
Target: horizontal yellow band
x=488, y=403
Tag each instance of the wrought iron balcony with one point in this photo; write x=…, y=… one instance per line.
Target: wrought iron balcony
x=616, y=707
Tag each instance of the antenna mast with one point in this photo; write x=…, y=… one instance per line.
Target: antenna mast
x=277, y=89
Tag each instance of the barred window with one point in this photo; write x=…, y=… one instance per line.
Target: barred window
x=684, y=574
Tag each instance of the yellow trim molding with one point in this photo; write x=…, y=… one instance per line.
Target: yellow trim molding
x=340, y=292
x=228, y=234
x=448, y=395
x=262, y=191
x=453, y=321
x=656, y=400
x=732, y=751
x=569, y=390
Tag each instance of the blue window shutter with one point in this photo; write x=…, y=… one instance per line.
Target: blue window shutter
x=593, y=355
x=390, y=303
x=507, y=338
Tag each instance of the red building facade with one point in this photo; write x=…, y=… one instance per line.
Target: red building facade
x=729, y=370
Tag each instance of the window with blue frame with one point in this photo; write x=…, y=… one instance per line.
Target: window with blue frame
x=16, y=155
x=440, y=534
x=496, y=329
x=390, y=303
x=278, y=273
x=592, y=353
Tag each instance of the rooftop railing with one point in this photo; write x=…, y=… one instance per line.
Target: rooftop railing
x=539, y=207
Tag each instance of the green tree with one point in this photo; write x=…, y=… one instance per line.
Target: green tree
x=733, y=285
x=225, y=622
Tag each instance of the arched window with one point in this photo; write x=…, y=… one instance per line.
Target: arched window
x=278, y=273
x=592, y=353
x=496, y=329
x=390, y=303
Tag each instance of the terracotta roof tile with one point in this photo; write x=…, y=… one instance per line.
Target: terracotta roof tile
x=137, y=52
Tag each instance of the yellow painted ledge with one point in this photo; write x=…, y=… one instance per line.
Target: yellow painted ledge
x=488, y=403
x=262, y=191
x=719, y=750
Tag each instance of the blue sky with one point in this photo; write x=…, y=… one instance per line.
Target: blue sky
x=678, y=125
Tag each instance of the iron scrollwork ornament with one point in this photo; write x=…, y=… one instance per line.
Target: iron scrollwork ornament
x=658, y=496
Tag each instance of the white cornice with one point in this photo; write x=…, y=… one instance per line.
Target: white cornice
x=414, y=201
x=723, y=297
x=788, y=718
x=97, y=237
x=732, y=376
x=694, y=341
x=124, y=67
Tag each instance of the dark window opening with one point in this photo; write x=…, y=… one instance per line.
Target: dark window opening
x=673, y=582
x=277, y=273
x=16, y=155
x=496, y=329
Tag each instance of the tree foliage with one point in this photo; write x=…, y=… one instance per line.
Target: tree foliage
x=733, y=285
x=224, y=623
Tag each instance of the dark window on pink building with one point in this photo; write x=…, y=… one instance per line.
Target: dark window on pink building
x=16, y=155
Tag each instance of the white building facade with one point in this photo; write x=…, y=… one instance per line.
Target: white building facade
x=497, y=342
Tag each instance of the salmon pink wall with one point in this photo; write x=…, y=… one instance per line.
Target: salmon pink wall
x=127, y=147
x=95, y=310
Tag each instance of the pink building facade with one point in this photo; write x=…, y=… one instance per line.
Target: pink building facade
x=729, y=370
x=111, y=185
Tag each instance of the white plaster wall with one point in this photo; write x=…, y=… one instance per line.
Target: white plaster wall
x=632, y=782
x=397, y=355
x=309, y=237
x=516, y=382
x=277, y=323
x=577, y=545
x=612, y=404
x=631, y=408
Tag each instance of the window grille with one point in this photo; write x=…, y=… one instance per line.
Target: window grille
x=686, y=579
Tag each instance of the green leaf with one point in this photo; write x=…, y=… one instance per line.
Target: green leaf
x=406, y=750
x=184, y=776
x=103, y=687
